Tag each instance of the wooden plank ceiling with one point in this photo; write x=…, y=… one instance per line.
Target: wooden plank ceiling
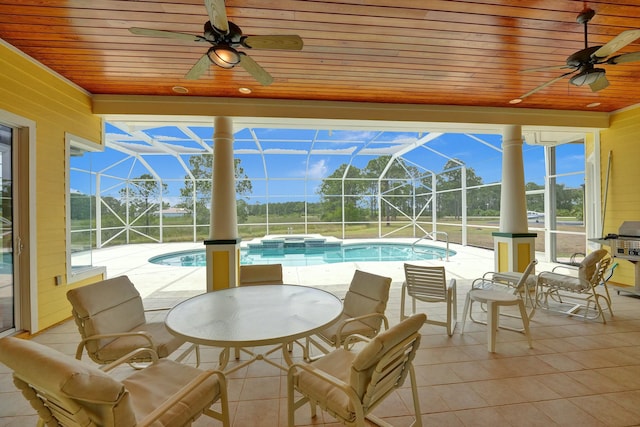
x=467, y=52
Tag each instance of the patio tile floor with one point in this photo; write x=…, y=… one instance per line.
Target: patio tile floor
x=578, y=372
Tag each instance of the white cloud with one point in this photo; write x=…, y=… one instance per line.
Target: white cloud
x=317, y=170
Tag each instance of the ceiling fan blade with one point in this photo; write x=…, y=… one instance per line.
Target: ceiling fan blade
x=551, y=67
x=273, y=42
x=543, y=85
x=166, y=34
x=199, y=68
x=618, y=42
x=217, y=15
x=599, y=84
x=624, y=58
x=253, y=68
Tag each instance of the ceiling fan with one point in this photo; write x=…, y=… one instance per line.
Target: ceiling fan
x=583, y=62
x=225, y=37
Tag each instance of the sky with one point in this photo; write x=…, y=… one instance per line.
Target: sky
x=288, y=160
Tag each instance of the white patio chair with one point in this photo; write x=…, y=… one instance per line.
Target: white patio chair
x=69, y=392
x=349, y=384
x=574, y=292
x=363, y=312
x=429, y=284
x=494, y=294
x=260, y=274
x=111, y=321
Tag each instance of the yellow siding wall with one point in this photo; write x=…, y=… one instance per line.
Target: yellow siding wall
x=30, y=91
x=623, y=202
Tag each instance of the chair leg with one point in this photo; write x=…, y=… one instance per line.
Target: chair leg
x=291, y=410
x=402, y=300
x=416, y=399
x=465, y=313
x=525, y=321
x=452, y=311
x=493, y=310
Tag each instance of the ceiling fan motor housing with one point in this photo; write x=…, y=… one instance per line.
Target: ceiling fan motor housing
x=215, y=36
x=583, y=57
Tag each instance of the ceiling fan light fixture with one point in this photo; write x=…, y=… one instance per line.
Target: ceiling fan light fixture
x=224, y=56
x=588, y=76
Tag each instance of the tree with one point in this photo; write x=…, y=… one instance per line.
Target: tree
x=331, y=191
x=142, y=193
x=450, y=203
x=396, y=184
x=201, y=167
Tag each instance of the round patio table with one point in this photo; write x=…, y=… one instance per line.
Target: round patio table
x=254, y=316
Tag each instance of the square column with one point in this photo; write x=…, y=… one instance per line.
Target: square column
x=223, y=263
x=513, y=251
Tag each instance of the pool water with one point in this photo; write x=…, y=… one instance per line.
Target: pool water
x=298, y=257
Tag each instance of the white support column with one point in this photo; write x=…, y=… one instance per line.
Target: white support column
x=98, y=211
x=514, y=246
x=513, y=202
x=463, y=203
x=224, y=223
x=223, y=246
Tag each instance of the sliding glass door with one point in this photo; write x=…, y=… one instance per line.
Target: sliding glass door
x=8, y=290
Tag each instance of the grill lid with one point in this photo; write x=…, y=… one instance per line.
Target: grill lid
x=629, y=229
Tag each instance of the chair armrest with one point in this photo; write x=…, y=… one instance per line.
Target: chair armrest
x=148, y=310
x=153, y=416
x=354, y=338
x=322, y=375
x=385, y=323
x=143, y=334
x=485, y=283
x=451, y=284
x=130, y=356
x=565, y=267
x=488, y=275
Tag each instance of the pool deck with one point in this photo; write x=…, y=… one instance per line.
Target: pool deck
x=132, y=260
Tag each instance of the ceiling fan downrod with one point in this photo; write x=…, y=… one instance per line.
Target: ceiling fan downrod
x=584, y=18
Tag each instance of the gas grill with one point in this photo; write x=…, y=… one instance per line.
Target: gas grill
x=626, y=245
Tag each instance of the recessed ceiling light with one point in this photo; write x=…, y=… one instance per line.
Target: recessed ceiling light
x=515, y=101
x=180, y=89
x=593, y=104
x=244, y=90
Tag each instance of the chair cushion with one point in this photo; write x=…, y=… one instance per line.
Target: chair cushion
x=114, y=305
x=374, y=350
x=58, y=373
x=109, y=306
x=589, y=264
x=152, y=386
x=338, y=364
x=353, y=368
x=368, y=358
x=166, y=343
x=368, y=293
x=563, y=281
x=261, y=274
x=355, y=327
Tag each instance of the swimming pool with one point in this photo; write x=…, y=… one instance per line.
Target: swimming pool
x=304, y=256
